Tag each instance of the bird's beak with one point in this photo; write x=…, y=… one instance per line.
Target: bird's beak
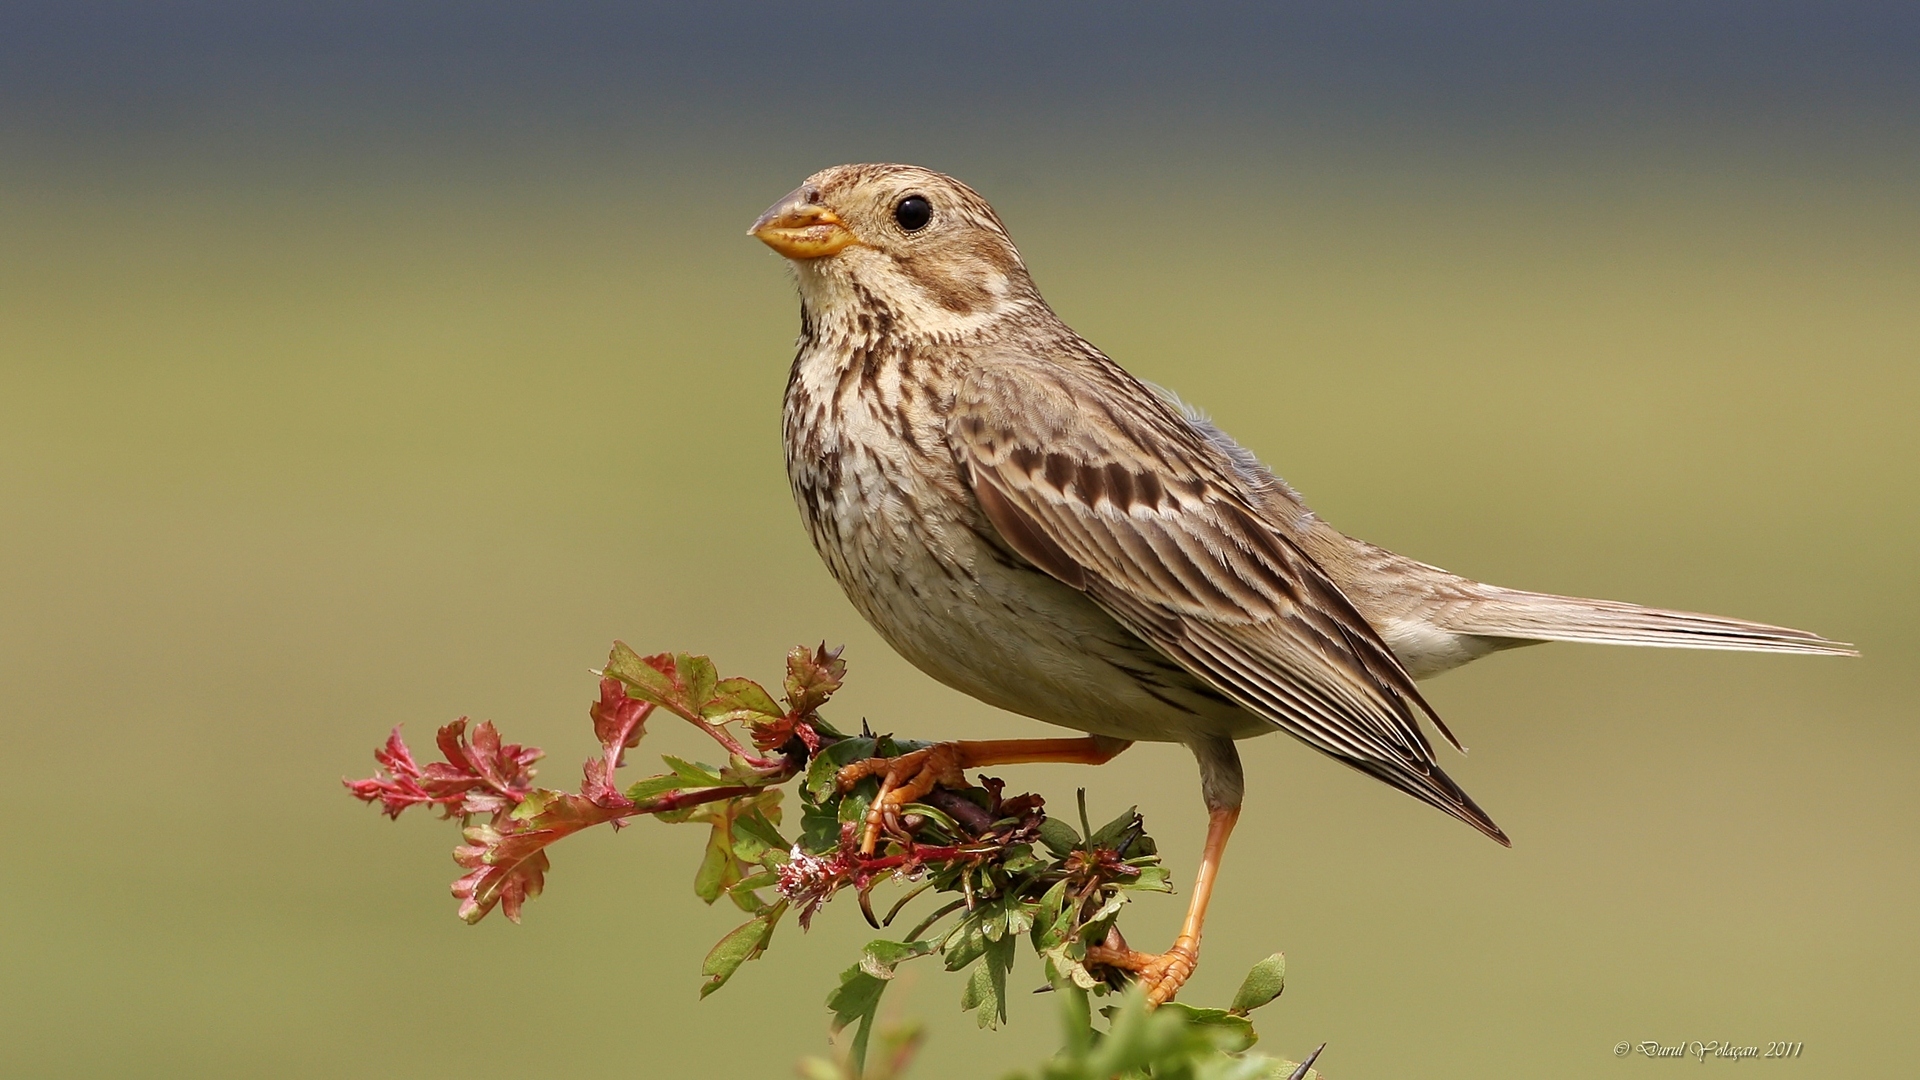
x=800, y=228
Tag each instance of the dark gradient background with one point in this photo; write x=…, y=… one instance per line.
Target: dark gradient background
x=364, y=364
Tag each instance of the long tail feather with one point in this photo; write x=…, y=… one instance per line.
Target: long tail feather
x=1511, y=613
x=1436, y=789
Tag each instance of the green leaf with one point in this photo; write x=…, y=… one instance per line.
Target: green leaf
x=691, y=774
x=756, y=825
x=759, y=880
x=1229, y=1032
x=1019, y=917
x=890, y=746
x=741, y=944
x=1109, y=835
x=1173, y=1041
x=679, y=682
x=881, y=957
x=649, y=678
x=1052, y=921
x=1108, y=909
x=740, y=696
x=1261, y=985
x=1054, y=939
x=820, y=773
x=985, y=928
x=820, y=828
x=699, y=678
x=994, y=927
x=1129, y=1045
x=1150, y=879
x=1059, y=837
x=987, y=987
x=1066, y=964
x=967, y=942
x=857, y=998
x=853, y=806
x=1017, y=859
x=717, y=870
x=1076, y=1018
x=653, y=785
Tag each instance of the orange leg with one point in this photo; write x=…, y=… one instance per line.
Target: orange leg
x=909, y=777
x=1163, y=974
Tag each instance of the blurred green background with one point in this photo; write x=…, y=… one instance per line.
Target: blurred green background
x=362, y=367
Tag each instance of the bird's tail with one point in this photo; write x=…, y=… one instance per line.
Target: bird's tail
x=1531, y=616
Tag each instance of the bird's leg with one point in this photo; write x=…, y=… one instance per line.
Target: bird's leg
x=909, y=777
x=1162, y=974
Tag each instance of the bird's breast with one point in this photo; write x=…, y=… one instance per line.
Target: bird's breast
x=884, y=502
x=874, y=480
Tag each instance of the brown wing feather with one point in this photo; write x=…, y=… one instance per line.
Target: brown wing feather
x=1115, y=494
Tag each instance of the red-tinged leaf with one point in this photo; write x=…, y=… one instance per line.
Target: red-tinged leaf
x=395, y=756
x=507, y=860
x=679, y=682
x=397, y=786
x=700, y=679
x=772, y=734
x=741, y=699
x=503, y=765
x=597, y=786
x=482, y=777
x=547, y=809
x=618, y=720
x=484, y=750
x=781, y=730
x=451, y=739
x=812, y=677
x=654, y=679
x=505, y=871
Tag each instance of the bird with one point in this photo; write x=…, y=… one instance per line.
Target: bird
x=1026, y=522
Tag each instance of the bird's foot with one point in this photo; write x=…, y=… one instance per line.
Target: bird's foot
x=1160, y=974
x=903, y=780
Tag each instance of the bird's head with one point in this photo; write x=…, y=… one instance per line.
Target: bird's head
x=918, y=243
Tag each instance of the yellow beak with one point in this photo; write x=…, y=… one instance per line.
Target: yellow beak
x=800, y=228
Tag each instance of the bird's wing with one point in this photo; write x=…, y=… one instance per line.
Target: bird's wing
x=1093, y=479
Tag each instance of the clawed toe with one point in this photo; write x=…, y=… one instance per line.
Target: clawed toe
x=904, y=779
x=1160, y=974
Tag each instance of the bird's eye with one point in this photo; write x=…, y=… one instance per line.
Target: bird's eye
x=913, y=213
